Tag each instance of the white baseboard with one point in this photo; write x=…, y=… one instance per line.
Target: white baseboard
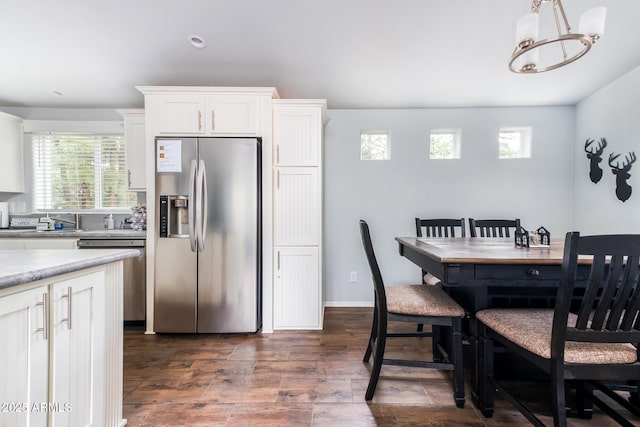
x=348, y=304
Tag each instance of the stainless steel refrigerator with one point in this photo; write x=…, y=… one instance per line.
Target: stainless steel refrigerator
x=208, y=235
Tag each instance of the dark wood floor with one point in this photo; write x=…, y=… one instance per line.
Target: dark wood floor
x=305, y=378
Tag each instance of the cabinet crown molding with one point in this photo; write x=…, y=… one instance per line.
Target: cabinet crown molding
x=208, y=90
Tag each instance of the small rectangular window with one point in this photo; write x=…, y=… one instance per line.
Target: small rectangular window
x=514, y=143
x=374, y=145
x=444, y=143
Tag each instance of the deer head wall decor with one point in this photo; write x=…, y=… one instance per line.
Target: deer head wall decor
x=595, y=157
x=623, y=189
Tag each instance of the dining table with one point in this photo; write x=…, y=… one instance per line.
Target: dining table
x=484, y=273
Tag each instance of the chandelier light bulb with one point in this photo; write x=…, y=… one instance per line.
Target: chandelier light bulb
x=592, y=22
x=527, y=28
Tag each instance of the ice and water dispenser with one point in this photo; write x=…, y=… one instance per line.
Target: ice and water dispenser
x=174, y=216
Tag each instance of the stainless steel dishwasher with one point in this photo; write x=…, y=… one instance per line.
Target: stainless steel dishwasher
x=135, y=276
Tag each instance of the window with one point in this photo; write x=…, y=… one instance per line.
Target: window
x=374, y=145
x=514, y=143
x=444, y=144
x=73, y=172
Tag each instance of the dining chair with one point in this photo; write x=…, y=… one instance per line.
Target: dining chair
x=492, y=227
x=591, y=335
x=412, y=304
x=437, y=227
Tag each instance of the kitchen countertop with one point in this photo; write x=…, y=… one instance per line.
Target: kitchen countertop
x=119, y=233
x=28, y=265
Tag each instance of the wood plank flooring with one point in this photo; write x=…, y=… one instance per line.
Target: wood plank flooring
x=293, y=378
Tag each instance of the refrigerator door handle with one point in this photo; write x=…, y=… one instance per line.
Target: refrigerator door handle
x=191, y=206
x=201, y=202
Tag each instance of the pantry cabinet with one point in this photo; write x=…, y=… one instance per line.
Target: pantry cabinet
x=297, y=213
x=134, y=128
x=11, y=163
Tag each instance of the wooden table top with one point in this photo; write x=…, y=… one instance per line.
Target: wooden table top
x=483, y=250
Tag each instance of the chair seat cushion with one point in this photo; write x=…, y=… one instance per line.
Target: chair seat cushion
x=531, y=330
x=421, y=300
x=430, y=279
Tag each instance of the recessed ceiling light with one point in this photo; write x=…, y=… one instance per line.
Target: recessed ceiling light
x=197, y=41
x=56, y=93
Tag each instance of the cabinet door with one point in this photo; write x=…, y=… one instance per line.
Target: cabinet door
x=297, y=301
x=297, y=207
x=11, y=164
x=181, y=114
x=78, y=322
x=135, y=151
x=297, y=132
x=233, y=114
x=24, y=359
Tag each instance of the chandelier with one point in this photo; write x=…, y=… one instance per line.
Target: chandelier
x=556, y=51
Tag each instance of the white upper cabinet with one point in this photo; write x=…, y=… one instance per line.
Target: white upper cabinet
x=232, y=114
x=297, y=132
x=213, y=115
x=134, y=126
x=11, y=162
x=181, y=114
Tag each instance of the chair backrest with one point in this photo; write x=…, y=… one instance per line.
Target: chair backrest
x=609, y=310
x=378, y=284
x=441, y=227
x=492, y=227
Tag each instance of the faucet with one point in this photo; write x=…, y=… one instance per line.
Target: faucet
x=76, y=223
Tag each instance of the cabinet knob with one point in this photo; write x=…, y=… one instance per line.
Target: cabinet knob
x=533, y=272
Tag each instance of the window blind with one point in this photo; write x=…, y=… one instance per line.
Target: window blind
x=74, y=172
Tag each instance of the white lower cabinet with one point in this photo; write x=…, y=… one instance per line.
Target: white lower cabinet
x=52, y=364
x=24, y=358
x=297, y=292
x=78, y=323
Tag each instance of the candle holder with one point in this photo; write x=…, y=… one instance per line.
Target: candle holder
x=521, y=237
x=541, y=238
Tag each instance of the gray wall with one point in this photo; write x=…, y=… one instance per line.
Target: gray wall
x=389, y=194
x=613, y=113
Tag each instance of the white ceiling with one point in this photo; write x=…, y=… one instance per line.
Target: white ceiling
x=354, y=53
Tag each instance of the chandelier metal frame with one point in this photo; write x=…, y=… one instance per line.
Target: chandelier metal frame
x=564, y=36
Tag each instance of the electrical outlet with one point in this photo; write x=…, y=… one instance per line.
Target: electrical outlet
x=353, y=277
